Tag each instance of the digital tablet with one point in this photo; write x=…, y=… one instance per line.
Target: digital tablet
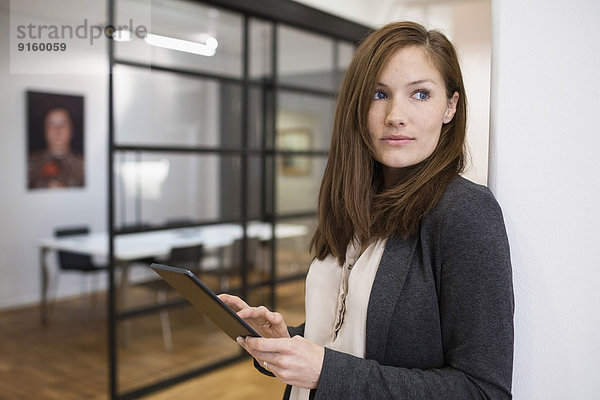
x=201, y=297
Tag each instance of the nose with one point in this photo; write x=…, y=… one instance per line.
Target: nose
x=395, y=113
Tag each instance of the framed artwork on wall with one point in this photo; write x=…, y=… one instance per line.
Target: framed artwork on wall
x=298, y=139
x=55, y=139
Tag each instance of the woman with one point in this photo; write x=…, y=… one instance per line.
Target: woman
x=410, y=293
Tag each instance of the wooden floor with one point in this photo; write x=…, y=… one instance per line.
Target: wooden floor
x=67, y=359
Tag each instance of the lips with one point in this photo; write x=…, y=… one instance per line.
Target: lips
x=397, y=140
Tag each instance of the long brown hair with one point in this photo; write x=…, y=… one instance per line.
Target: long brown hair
x=349, y=207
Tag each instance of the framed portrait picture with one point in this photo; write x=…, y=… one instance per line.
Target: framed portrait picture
x=55, y=140
x=295, y=140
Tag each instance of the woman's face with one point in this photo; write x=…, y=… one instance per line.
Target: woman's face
x=58, y=131
x=408, y=110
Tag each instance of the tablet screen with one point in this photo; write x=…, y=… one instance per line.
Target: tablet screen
x=197, y=293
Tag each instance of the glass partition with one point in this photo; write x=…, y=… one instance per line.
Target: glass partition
x=345, y=54
x=149, y=187
x=260, y=54
x=196, y=343
x=221, y=149
x=260, y=105
x=164, y=108
x=305, y=59
x=293, y=250
x=293, y=259
x=304, y=122
x=298, y=183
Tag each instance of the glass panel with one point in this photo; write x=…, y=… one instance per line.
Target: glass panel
x=257, y=109
x=221, y=267
x=154, y=188
x=290, y=302
x=162, y=108
x=230, y=114
x=260, y=296
x=293, y=259
x=298, y=183
x=345, y=54
x=213, y=37
x=261, y=39
x=257, y=183
x=230, y=178
x=293, y=240
x=257, y=262
x=259, y=258
x=305, y=59
x=304, y=122
x=196, y=342
x=293, y=246
x=214, y=252
x=269, y=196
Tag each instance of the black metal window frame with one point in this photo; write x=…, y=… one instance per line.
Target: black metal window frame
x=275, y=12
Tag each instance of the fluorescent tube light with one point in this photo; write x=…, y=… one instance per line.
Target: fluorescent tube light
x=122, y=35
x=187, y=46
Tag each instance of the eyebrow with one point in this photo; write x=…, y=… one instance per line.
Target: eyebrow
x=413, y=83
x=421, y=81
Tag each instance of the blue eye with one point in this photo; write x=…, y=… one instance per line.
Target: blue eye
x=379, y=95
x=421, y=95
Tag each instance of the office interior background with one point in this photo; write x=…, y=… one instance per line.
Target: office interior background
x=529, y=69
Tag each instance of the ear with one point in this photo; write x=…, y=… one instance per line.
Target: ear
x=451, y=109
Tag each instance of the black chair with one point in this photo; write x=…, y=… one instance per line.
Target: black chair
x=229, y=264
x=69, y=261
x=135, y=227
x=188, y=257
x=75, y=262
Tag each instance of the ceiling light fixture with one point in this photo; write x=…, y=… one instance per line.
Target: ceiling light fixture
x=122, y=35
x=204, y=49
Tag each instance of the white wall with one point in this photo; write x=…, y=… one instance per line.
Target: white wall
x=27, y=215
x=544, y=170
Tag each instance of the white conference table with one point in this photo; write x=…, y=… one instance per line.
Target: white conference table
x=134, y=246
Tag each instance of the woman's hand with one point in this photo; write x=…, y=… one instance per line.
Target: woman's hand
x=294, y=361
x=268, y=324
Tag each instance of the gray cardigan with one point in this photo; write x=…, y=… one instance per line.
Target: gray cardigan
x=440, y=314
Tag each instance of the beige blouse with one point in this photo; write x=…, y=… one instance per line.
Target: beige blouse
x=336, y=302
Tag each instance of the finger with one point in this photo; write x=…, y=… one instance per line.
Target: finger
x=274, y=317
x=271, y=367
x=253, y=312
x=267, y=345
x=258, y=355
x=234, y=302
x=242, y=342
